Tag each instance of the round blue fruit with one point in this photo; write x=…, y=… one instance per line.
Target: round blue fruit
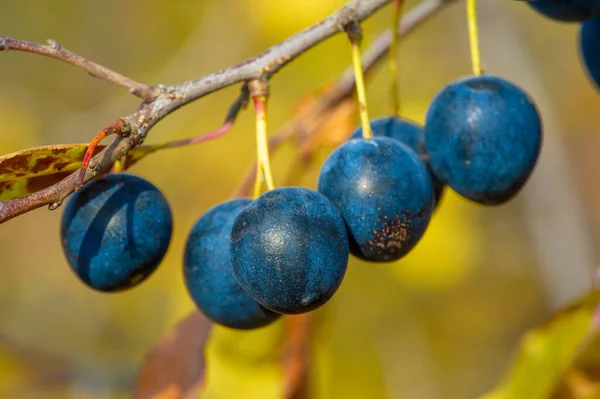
x=403, y=130
x=289, y=250
x=483, y=136
x=384, y=193
x=589, y=42
x=209, y=276
x=567, y=10
x=410, y=134
x=115, y=232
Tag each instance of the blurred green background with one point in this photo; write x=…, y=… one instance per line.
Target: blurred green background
x=440, y=323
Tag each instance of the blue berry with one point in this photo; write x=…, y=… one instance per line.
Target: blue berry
x=403, y=130
x=410, y=134
x=116, y=231
x=567, y=10
x=209, y=276
x=384, y=193
x=589, y=42
x=289, y=250
x=483, y=136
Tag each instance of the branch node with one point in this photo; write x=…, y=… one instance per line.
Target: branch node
x=346, y=16
x=53, y=44
x=258, y=88
x=354, y=31
x=3, y=44
x=123, y=127
x=53, y=206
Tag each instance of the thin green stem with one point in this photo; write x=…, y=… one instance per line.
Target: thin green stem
x=474, y=37
x=393, y=59
x=361, y=93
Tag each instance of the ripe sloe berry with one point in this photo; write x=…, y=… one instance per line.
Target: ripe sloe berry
x=483, y=136
x=410, y=134
x=384, y=193
x=589, y=42
x=208, y=272
x=289, y=249
x=567, y=10
x=115, y=231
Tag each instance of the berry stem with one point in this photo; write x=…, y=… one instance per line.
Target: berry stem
x=258, y=181
x=474, y=37
x=220, y=131
x=90, y=151
x=120, y=127
x=356, y=41
x=393, y=59
x=263, y=170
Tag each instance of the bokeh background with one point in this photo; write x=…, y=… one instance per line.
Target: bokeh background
x=441, y=323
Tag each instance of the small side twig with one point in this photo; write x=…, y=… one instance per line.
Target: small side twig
x=56, y=51
x=344, y=88
x=240, y=103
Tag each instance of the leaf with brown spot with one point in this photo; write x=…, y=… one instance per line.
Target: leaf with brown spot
x=33, y=169
x=174, y=368
x=27, y=171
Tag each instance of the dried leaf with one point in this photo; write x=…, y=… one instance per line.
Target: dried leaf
x=324, y=128
x=296, y=356
x=548, y=351
x=174, y=368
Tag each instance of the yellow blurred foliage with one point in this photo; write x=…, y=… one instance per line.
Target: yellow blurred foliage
x=244, y=363
x=277, y=18
x=19, y=126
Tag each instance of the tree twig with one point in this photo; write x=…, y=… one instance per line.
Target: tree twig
x=172, y=98
x=56, y=51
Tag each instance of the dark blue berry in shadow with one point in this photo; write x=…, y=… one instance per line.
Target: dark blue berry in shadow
x=384, y=193
x=289, y=250
x=403, y=130
x=483, y=136
x=589, y=42
x=209, y=276
x=567, y=10
x=410, y=134
x=116, y=231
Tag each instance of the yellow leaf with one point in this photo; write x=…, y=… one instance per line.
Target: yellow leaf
x=245, y=364
x=546, y=352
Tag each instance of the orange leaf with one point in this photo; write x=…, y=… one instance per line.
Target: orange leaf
x=324, y=128
x=174, y=368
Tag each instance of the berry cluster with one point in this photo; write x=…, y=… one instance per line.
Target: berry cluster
x=248, y=261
